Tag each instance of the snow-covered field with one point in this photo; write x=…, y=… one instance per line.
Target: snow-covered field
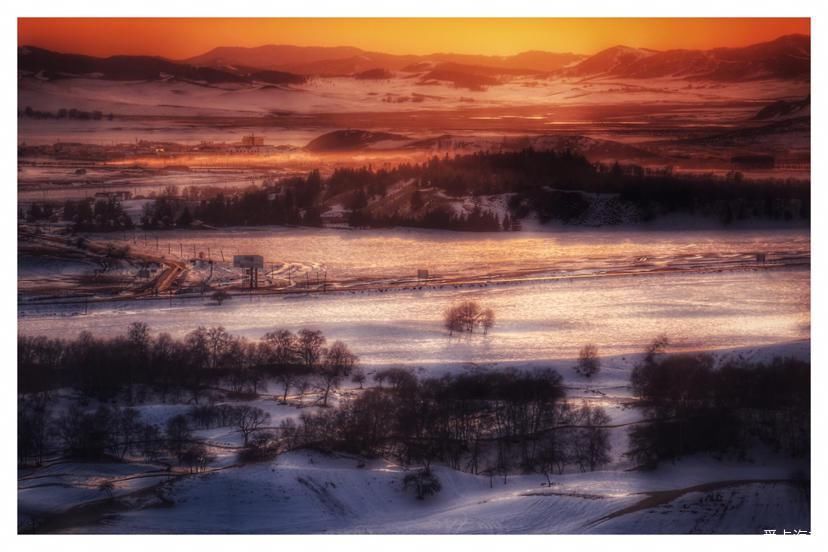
x=586, y=294
x=713, y=300
x=338, y=95
x=310, y=492
x=307, y=492
x=534, y=322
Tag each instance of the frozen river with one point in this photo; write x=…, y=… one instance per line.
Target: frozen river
x=382, y=254
x=706, y=307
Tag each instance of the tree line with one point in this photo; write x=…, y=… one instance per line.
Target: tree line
x=122, y=433
x=554, y=186
x=85, y=215
x=693, y=406
x=183, y=369
x=492, y=423
x=64, y=113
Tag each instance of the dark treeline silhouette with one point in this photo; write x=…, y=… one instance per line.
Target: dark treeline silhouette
x=64, y=113
x=296, y=203
x=467, y=316
x=555, y=186
x=121, y=433
x=173, y=369
x=86, y=215
x=492, y=423
x=37, y=212
x=96, y=215
x=137, y=367
x=695, y=407
x=116, y=432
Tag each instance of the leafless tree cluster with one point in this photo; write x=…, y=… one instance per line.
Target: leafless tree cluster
x=694, y=406
x=424, y=482
x=207, y=358
x=589, y=363
x=209, y=363
x=468, y=316
x=121, y=433
x=499, y=422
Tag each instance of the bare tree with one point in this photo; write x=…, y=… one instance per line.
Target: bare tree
x=359, y=377
x=139, y=337
x=196, y=457
x=127, y=428
x=591, y=444
x=178, y=434
x=150, y=442
x=589, y=363
x=33, y=421
x=466, y=316
x=397, y=378
x=282, y=356
x=219, y=346
x=282, y=347
x=424, y=481
x=487, y=320
x=310, y=347
x=552, y=454
x=339, y=363
x=251, y=419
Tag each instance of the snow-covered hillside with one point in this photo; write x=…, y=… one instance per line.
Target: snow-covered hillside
x=307, y=492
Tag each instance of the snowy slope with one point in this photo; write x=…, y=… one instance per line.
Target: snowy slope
x=309, y=493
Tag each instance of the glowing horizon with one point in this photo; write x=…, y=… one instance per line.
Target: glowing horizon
x=179, y=38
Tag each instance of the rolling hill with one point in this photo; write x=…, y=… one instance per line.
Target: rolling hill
x=54, y=65
x=787, y=57
x=340, y=61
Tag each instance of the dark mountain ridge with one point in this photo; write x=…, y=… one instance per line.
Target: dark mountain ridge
x=787, y=57
x=55, y=65
x=340, y=61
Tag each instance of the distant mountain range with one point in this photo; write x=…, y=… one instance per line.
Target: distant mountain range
x=338, y=61
x=788, y=57
x=55, y=65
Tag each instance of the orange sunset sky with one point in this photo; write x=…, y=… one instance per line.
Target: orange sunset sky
x=181, y=38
